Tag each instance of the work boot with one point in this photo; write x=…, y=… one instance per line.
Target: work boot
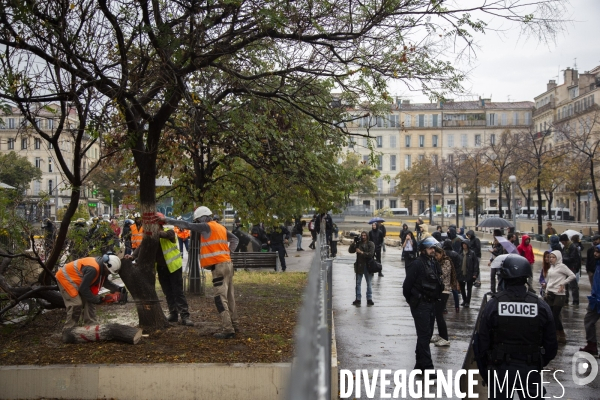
x=223, y=335
x=561, y=337
x=356, y=303
x=591, y=347
x=172, y=317
x=185, y=320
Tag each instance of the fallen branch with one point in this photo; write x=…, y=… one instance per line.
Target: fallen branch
x=101, y=333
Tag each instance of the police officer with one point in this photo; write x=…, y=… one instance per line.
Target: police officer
x=516, y=335
x=422, y=288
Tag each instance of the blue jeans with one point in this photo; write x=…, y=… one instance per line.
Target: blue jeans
x=368, y=277
x=183, y=243
x=298, y=241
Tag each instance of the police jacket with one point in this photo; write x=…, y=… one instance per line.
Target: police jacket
x=423, y=280
x=516, y=326
x=368, y=249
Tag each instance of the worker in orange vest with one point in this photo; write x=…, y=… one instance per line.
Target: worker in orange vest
x=216, y=246
x=137, y=231
x=79, y=283
x=183, y=236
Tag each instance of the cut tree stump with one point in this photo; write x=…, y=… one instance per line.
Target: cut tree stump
x=101, y=333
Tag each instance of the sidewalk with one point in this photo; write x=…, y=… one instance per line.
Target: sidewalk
x=384, y=337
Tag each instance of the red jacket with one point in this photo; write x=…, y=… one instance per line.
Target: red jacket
x=526, y=250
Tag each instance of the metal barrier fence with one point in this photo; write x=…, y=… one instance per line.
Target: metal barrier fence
x=311, y=369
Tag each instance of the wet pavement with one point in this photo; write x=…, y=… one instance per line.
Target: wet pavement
x=384, y=336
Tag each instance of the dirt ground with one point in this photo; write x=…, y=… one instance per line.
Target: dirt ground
x=267, y=304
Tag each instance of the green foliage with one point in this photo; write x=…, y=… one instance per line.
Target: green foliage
x=17, y=171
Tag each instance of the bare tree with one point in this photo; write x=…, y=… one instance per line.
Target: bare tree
x=582, y=134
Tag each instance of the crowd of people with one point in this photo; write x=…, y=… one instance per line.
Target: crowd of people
x=437, y=267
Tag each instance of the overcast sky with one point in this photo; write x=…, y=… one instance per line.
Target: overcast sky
x=510, y=67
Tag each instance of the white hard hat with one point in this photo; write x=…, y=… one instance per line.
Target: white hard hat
x=202, y=212
x=112, y=262
x=136, y=215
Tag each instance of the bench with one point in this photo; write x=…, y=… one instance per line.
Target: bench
x=256, y=260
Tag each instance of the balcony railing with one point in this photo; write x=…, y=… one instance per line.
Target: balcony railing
x=459, y=123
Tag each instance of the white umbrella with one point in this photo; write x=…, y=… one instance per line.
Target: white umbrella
x=571, y=232
x=508, y=246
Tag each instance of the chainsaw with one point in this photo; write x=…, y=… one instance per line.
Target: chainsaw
x=119, y=297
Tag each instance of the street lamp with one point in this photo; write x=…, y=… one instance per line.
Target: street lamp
x=464, y=224
x=379, y=198
x=431, y=190
x=513, y=180
x=111, y=202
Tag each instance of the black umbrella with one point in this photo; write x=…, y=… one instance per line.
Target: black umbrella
x=495, y=222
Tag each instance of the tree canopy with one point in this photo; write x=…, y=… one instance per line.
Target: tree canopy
x=17, y=171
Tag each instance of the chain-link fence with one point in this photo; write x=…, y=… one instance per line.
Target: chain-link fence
x=311, y=369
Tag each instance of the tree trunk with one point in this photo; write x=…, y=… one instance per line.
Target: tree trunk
x=500, y=211
x=140, y=280
x=578, y=206
x=102, y=333
x=476, y=203
x=539, y=196
x=457, y=224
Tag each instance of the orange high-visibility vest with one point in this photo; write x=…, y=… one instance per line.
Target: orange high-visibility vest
x=215, y=249
x=136, y=236
x=70, y=276
x=182, y=234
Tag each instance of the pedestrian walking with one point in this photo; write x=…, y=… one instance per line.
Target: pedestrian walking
x=365, y=250
x=455, y=258
x=593, y=311
x=495, y=251
x=475, y=245
x=544, y=272
x=126, y=235
x=278, y=237
x=466, y=272
x=335, y=237
x=590, y=262
x=422, y=288
x=299, y=228
x=450, y=282
x=216, y=246
x=525, y=249
x=557, y=279
x=381, y=227
x=549, y=231
x=572, y=259
x=418, y=228
x=313, y=232
x=409, y=248
x=376, y=237
x=508, y=342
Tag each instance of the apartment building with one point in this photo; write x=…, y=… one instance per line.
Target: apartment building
x=16, y=134
x=409, y=132
x=572, y=106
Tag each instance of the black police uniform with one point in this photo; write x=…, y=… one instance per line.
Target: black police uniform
x=516, y=335
x=422, y=288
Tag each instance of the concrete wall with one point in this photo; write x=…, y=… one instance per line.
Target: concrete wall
x=152, y=381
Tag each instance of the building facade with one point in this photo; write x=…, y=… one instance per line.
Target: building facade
x=52, y=192
x=571, y=108
x=410, y=132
